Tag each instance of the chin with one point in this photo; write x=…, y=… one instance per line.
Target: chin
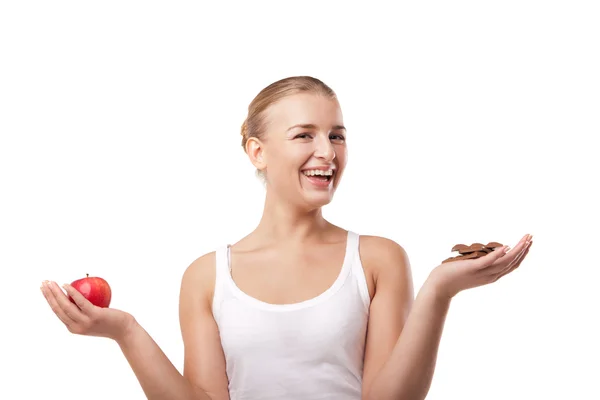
x=316, y=194
x=317, y=200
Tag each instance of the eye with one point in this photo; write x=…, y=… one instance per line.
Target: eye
x=339, y=138
x=303, y=136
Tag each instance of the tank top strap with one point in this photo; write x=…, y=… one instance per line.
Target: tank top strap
x=222, y=268
x=358, y=271
x=352, y=245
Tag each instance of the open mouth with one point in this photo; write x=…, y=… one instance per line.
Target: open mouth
x=319, y=177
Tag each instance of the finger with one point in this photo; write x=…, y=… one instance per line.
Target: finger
x=84, y=304
x=525, y=254
x=65, y=304
x=517, y=260
x=499, y=265
x=522, y=244
x=51, y=299
x=510, y=263
x=482, y=263
x=514, y=253
x=517, y=263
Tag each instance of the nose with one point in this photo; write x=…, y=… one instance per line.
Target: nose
x=323, y=148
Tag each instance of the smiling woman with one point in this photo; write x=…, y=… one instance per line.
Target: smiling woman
x=278, y=108
x=299, y=308
x=282, y=150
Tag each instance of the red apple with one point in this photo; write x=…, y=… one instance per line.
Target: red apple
x=95, y=289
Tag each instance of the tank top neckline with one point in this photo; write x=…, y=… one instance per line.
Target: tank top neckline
x=337, y=284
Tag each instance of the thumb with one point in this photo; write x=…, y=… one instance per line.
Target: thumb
x=490, y=258
x=76, y=297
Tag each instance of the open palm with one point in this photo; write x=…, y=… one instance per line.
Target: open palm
x=453, y=277
x=83, y=317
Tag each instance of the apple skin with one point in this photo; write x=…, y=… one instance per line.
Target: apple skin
x=93, y=288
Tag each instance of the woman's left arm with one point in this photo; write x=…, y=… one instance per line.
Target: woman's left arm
x=404, y=335
x=407, y=370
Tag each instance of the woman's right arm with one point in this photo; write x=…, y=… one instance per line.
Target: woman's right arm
x=204, y=361
x=204, y=375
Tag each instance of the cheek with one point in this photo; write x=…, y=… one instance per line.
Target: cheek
x=283, y=169
x=291, y=159
x=284, y=162
x=342, y=156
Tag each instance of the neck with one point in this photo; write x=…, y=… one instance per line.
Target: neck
x=284, y=221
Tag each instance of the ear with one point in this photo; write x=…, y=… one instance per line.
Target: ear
x=256, y=151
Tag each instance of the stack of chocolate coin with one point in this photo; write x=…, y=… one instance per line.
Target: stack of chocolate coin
x=473, y=251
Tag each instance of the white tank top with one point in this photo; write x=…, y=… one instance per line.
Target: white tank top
x=308, y=350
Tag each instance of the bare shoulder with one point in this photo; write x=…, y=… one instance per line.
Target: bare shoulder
x=204, y=361
x=383, y=257
x=202, y=265
x=198, y=279
x=386, y=264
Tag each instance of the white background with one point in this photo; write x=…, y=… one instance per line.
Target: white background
x=469, y=121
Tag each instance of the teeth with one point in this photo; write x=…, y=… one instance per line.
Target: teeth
x=313, y=172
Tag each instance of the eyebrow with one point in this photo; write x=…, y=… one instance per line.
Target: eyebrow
x=312, y=126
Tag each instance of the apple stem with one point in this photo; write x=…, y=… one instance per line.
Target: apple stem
x=87, y=275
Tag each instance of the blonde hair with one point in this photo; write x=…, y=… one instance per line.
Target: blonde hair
x=255, y=123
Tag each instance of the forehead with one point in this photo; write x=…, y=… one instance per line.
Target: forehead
x=304, y=108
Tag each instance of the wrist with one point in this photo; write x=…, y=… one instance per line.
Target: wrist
x=435, y=289
x=130, y=327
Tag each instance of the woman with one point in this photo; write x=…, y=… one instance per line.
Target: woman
x=299, y=308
